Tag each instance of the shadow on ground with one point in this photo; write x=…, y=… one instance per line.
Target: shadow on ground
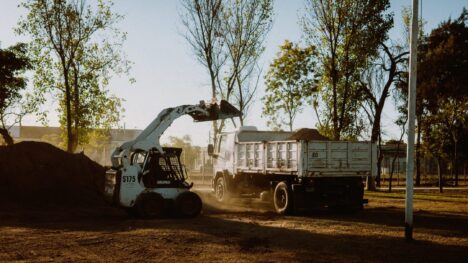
x=246, y=231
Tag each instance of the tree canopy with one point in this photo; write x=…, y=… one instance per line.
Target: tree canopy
x=290, y=82
x=13, y=63
x=347, y=34
x=442, y=78
x=227, y=38
x=75, y=48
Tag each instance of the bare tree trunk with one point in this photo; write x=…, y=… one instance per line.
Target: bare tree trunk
x=379, y=163
x=455, y=161
x=70, y=144
x=418, y=154
x=393, y=168
x=371, y=181
x=6, y=136
x=216, y=130
x=439, y=172
x=76, y=113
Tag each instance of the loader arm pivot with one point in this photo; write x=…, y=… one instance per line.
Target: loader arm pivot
x=149, y=137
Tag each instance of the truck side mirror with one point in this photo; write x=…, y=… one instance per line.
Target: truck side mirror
x=210, y=149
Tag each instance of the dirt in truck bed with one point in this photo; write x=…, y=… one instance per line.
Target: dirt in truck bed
x=308, y=134
x=39, y=174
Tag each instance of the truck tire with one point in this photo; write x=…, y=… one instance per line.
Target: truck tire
x=150, y=205
x=188, y=205
x=221, y=191
x=283, y=199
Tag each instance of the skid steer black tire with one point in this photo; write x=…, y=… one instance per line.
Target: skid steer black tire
x=150, y=205
x=188, y=205
x=132, y=212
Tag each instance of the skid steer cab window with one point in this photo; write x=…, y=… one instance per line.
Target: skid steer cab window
x=138, y=158
x=163, y=170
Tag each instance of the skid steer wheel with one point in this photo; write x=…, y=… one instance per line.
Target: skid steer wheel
x=188, y=205
x=282, y=199
x=150, y=205
x=132, y=211
x=221, y=192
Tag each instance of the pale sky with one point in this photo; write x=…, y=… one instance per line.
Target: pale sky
x=167, y=74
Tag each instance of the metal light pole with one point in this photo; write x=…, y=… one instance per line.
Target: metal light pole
x=411, y=120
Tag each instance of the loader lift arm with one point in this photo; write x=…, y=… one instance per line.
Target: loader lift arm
x=149, y=138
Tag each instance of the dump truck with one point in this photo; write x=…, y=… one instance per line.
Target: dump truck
x=294, y=174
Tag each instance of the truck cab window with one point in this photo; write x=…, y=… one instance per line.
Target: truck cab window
x=222, y=144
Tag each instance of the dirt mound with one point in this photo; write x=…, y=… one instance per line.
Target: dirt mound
x=39, y=174
x=308, y=134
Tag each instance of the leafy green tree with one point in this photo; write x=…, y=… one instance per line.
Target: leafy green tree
x=75, y=49
x=442, y=78
x=13, y=63
x=290, y=82
x=347, y=34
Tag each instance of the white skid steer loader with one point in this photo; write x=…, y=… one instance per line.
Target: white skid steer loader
x=149, y=180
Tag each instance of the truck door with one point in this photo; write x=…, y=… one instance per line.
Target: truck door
x=224, y=160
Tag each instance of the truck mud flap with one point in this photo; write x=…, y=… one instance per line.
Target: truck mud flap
x=301, y=200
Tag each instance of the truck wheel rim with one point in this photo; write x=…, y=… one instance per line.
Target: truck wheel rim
x=281, y=199
x=220, y=189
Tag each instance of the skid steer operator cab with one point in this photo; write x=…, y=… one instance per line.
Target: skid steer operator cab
x=152, y=185
x=161, y=170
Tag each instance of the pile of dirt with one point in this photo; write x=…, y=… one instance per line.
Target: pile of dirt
x=39, y=174
x=308, y=134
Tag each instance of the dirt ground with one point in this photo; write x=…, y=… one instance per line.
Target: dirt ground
x=242, y=232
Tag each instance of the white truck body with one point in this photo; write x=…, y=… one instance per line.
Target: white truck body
x=294, y=174
x=246, y=152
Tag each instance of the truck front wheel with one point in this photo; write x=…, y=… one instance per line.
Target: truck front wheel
x=283, y=199
x=221, y=192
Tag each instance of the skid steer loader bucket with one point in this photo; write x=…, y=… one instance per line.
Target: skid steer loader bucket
x=216, y=112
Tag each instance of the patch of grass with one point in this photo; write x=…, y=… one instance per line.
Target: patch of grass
x=428, y=196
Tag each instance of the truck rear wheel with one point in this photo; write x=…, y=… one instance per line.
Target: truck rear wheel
x=150, y=205
x=221, y=192
x=188, y=205
x=282, y=199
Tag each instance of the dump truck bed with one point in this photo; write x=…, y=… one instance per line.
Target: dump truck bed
x=307, y=158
